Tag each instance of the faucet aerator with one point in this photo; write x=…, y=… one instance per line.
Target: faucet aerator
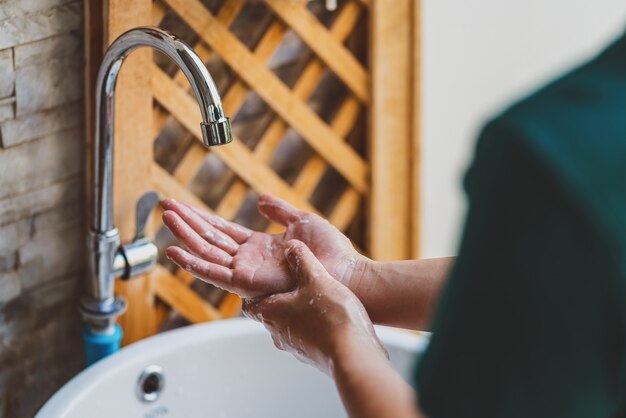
x=217, y=133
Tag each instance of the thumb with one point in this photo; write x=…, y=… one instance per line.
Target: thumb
x=277, y=210
x=302, y=263
x=261, y=309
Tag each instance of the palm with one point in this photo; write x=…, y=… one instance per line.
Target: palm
x=253, y=263
x=260, y=262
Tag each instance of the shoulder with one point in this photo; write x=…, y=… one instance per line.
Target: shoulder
x=570, y=135
x=578, y=101
x=571, y=111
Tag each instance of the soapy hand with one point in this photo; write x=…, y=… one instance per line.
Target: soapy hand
x=313, y=320
x=250, y=263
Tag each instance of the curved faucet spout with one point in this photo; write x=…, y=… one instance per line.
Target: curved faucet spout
x=104, y=260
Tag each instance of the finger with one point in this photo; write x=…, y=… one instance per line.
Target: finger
x=204, y=229
x=215, y=274
x=194, y=242
x=279, y=211
x=303, y=264
x=237, y=232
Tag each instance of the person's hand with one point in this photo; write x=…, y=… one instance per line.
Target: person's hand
x=318, y=317
x=253, y=264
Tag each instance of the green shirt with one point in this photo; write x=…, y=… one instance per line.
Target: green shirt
x=532, y=323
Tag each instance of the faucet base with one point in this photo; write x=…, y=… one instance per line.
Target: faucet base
x=100, y=315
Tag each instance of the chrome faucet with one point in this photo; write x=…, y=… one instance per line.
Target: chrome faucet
x=107, y=260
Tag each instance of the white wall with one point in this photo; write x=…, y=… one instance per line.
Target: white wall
x=478, y=56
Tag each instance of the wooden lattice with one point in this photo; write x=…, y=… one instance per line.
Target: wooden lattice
x=327, y=154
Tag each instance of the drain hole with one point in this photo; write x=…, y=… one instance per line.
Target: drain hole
x=150, y=384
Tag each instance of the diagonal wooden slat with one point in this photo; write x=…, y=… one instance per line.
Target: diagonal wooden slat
x=159, y=118
x=184, y=276
x=346, y=209
x=191, y=162
x=230, y=306
x=181, y=298
x=168, y=186
x=227, y=14
x=313, y=170
x=158, y=12
x=236, y=155
x=319, y=136
x=337, y=57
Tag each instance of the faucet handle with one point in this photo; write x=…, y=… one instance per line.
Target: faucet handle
x=139, y=256
x=145, y=205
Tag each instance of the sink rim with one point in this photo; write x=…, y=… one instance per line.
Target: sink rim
x=180, y=337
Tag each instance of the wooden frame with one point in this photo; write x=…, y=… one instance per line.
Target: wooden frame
x=388, y=90
x=390, y=141
x=416, y=151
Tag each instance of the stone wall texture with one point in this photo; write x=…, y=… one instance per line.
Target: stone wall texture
x=42, y=163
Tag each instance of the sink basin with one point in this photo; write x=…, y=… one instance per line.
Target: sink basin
x=225, y=369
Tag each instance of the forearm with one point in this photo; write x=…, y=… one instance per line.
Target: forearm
x=368, y=385
x=403, y=293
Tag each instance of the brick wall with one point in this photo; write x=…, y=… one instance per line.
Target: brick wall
x=41, y=199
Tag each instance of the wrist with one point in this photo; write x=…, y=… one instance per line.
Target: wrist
x=365, y=268
x=364, y=281
x=350, y=348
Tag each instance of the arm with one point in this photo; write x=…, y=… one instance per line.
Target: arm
x=368, y=385
x=403, y=293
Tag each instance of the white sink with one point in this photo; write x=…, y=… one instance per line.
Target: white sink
x=225, y=369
